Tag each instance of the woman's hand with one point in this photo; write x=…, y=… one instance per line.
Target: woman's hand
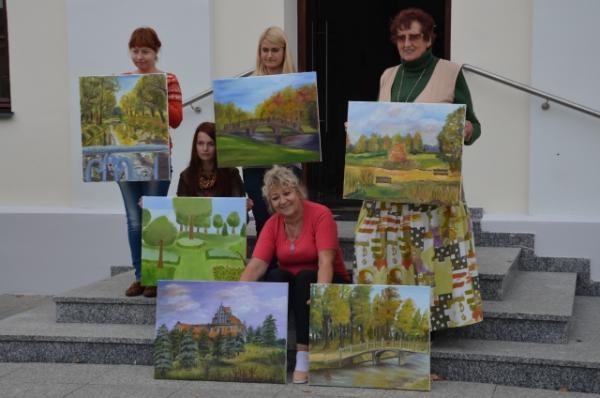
x=249, y=204
x=468, y=131
x=325, y=272
x=254, y=270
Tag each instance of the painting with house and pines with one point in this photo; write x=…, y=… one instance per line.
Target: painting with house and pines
x=221, y=331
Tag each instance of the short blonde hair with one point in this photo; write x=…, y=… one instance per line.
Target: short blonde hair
x=277, y=177
x=275, y=35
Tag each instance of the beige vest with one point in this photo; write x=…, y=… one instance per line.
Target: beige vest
x=439, y=88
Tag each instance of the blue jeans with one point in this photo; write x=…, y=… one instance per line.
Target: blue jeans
x=132, y=191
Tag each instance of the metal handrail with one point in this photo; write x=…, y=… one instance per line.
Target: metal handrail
x=533, y=91
x=208, y=92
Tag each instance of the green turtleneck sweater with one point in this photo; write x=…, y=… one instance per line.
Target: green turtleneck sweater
x=412, y=87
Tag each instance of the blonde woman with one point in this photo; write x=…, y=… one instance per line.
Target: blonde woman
x=303, y=236
x=273, y=57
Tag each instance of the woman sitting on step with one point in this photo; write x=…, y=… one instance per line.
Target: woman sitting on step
x=303, y=236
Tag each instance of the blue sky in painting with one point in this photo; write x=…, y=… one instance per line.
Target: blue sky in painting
x=196, y=302
x=163, y=206
x=390, y=118
x=247, y=92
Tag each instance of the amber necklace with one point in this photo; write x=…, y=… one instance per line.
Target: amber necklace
x=413, y=87
x=207, y=181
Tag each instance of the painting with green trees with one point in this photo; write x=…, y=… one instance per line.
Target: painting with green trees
x=124, y=127
x=373, y=336
x=266, y=120
x=190, y=238
x=404, y=152
x=221, y=331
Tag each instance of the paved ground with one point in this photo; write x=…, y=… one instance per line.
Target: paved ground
x=47, y=380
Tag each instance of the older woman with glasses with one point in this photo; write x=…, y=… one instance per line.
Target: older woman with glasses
x=303, y=235
x=424, y=245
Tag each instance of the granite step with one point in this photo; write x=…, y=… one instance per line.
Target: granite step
x=105, y=302
x=574, y=365
x=537, y=308
x=33, y=336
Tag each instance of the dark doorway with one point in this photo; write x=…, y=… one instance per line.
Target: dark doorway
x=348, y=44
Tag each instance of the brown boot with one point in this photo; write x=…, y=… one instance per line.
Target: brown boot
x=135, y=289
x=150, y=291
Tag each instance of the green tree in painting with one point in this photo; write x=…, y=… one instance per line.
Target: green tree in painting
x=239, y=344
x=360, y=311
x=269, y=331
x=340, y=311
x=217, y=350
x=373, y=143
x=316, y=313
x=233, y=219
x=163, y=357
x=204, y=222
x=224, y=232
x=361, y=144
x=450, y=139
x=217, y=222
x=192, y=209
x=188, y=352
x=203, y=343
x=404, y=319
x=146, y=217
x=160, y=232
x=417, y=143
x=243, y=230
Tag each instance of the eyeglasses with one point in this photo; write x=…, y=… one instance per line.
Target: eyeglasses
x=412, y=37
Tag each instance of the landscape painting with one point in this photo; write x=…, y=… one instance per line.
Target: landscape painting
x=124, y=127
x=370, y=336
x=221, y=331
x=266, y=120
x=189, y=238
x=404, y=152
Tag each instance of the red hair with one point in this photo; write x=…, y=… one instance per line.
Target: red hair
x=145, y=37
x=406, y=17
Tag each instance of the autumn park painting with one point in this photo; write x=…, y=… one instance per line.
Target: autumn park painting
x=404, y=152
x=221, y=331
x=374, y=336
x=266, y=120
x=188, y=238
x=124, y=127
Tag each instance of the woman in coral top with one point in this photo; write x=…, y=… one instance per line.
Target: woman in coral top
x=144, y=46
x=303, y=236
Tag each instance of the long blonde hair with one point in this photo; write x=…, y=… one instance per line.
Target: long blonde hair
x=275, y=35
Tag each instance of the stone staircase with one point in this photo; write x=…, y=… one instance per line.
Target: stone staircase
x=540, y=324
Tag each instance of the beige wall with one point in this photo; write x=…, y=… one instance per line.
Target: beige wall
x=496, y=36
x=34, y=154
x=237, y=26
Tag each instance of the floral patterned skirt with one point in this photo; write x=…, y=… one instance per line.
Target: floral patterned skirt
x=399, y=243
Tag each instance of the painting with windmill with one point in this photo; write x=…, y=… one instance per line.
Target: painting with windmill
x=266, y=120
x=221, y=331
x=189, y=238
x=404, y=152
x=124, y=127
x=374, y=336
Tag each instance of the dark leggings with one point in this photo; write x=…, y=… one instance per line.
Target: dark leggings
x=299, y=294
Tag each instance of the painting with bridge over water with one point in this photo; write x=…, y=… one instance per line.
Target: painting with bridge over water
x=124, y=127
x=266, y=120
x=404, y=152
x=370, y=336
